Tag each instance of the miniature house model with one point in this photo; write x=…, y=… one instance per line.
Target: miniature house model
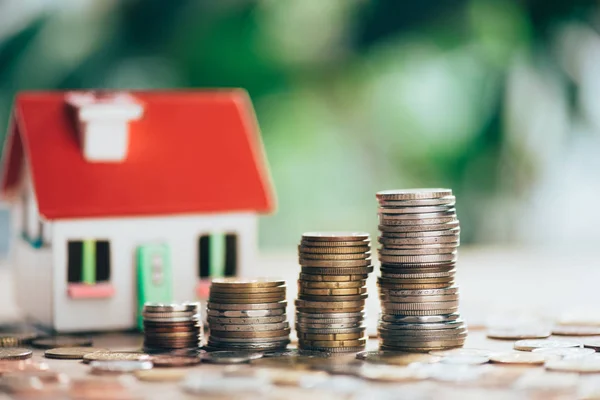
x=122, y=198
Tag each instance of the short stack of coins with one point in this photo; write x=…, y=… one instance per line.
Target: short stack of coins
x=171, y=326
x=248, y=315
x=332, y=291
x=420, y=234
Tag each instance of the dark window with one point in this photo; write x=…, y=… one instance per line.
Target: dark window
x=217, y=255
x=91, y=260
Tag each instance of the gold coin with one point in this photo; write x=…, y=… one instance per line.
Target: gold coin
x=267, y=291
x=71, y=353
x=518, y=358
x=161, y=374
x=329, y=304
x=328, y=310
x=329, y=298
x=335, y=236
x=238, y=300
x=247, y=283
x=330, y=336
x=331, y=285
x=332, y=292
x=334, y=250
x=334, y=257
x=115, y=356
x=334, y=278
x=15, y=353
x=331, y=343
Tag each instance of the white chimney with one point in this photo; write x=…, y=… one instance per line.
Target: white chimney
x=103, y=123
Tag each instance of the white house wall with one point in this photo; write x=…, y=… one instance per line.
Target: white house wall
x=33, y=280
x=181, y=233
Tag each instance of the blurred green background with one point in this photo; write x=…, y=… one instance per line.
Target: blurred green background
x=497, y=99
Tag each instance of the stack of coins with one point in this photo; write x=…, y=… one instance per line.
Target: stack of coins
x=419, y=241
x=171, y=326
x=332, y=291
x=247, y=314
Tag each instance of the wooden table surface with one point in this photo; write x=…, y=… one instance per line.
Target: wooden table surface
x=497, y=287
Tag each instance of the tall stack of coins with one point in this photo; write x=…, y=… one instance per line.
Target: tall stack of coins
x=171, y=326
x=248, y=314
x=332, y=292
x=419, y=241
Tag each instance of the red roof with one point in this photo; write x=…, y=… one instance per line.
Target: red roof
x=191, y=152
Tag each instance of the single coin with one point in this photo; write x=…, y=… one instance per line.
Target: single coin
x=413, y=286
x=245, y=313
x=161, y=375
x=249, y=327
x=353, y=243
x=445, y=201
x=574, y=330
x=394, y=214
x=119, y=367
x=354, y=273
x=329, y=310
x=114, y=356
x=245, y=307
x=250, y=334
x=248, y=283
x=230, y=357
x=421, y=292
x=308, y=263
x=331, y=351
x=17, y=339
x=530, y=344
x=413, y=194
x=311, y=285
x=168, y=360
x=220, y=338
x=409, y=336
x=306, y=326
x=61, y=341
x=565, y=352
x=330, y=298
x=420, y=241
x=71, y=353
x=418, y=276
x=418, y=299
x=405, y=270
x=334, y=250
x=393, y=221
x=416, y=252
x=465, y=351
x=175, y=320
x=334, y=278
x=592, y=344
x=396, y=358
x=334, y=257
x=247, y=346
x=335, y=236
x=414, y=209
x=579, y=365
x=331, y=343
x=420, y=259
x=518, y=358
x=253, y=300
x=422, y=234
x=448, y=317
x=329, y=316
x=402, y=281
x=166, y=308
x=248, y=290
x=421, y=327
x=442, y=305
x=247, y=321
x=331, y=336
x=329, y=304
x=15, y=353
x=424, y=344
x=518, y=333
x=388, y=228
x=332, y=292
x=330, y=329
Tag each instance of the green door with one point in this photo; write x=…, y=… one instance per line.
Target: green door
x=155, y=281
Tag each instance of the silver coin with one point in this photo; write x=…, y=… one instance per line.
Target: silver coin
x=325, y=331
x=119, y=366
x=441, y=201
x=304, y=325
x=438, y=246
x=249, y=327
x=419, y=241
x=219, y=339
x=266, y=346
x=565, y=352
x=417, y=293
x=343, y=315
x=162, y=307
x=247, y=307
x=424, y=275
x=420, y=319
x=230, y=357
x=414, y=209
x=245, y=313
x=530, y=344
x=416, y=252
x=422, y=327
x=444, y=231
x=328, y=321
x=420, y=216
x=450, y=257
x=174, y=319
x=248, y=320
x=415, y=224
x=465, y=360
x=413, y=194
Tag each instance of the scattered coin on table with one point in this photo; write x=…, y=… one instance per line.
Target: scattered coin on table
x=518, y=358
x=581, y=365
x=71, y=353
x=115, y=356
x=465, y=360
x=384, y=373
x=565, y=352
x=518, y=333
x=119, y=366
x=530, y=344
x=61, y=341
x=230, y=357
x=15, y=353
x=161, y=375
x=170, y=361
x=576, y=330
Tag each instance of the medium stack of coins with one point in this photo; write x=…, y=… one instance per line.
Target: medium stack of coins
x=332, y=292
x=248, y=314
x=171, y=326
x=419, y=241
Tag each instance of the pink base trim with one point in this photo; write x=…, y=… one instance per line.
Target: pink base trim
x=203, y=289
x=85, y=291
